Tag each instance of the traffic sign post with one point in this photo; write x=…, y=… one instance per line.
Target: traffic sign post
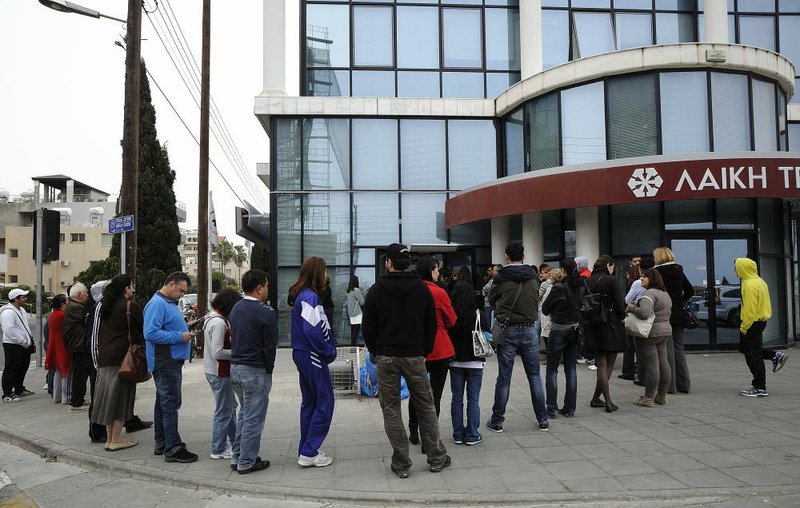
x=121, y=225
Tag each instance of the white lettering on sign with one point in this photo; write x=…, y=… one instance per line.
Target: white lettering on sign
x=731, y=178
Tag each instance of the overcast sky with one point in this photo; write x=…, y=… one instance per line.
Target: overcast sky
x=62, y=94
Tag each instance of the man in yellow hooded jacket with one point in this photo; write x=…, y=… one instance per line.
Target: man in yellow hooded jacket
x=756, y=310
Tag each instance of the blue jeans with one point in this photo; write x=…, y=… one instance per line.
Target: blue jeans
x=223, y=430
x=472, y=378
x=519, y=340
x=252, y=386
x=562, y=343
x=168, y=379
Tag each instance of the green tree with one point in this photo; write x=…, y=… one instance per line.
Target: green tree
x=259, y=258
x=239, y=258
x=225, y=252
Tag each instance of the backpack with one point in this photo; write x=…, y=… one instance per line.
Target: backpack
x=594, y=307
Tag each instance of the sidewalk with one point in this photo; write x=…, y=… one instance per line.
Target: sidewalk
x=710, y=446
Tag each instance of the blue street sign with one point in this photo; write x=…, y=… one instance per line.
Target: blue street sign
x=120, y=224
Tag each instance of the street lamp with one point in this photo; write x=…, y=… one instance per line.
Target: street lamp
x=130, y=128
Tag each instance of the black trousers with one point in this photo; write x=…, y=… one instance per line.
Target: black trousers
x=437, y=370
x=629, y=359
x=97, y=432
x=750, y=346
x=18, y=359
x=80, y=374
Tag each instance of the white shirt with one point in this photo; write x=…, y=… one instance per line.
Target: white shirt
x=15, y=326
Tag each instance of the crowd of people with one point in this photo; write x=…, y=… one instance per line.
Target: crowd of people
x=415, y=326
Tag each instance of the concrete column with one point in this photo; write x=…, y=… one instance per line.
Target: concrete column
x=36, y=190
x=70, y=191
x=274, y=47
x=530, y=37
x=500, y=238
x=587, y=233
x=715, y=17
x=533, y=238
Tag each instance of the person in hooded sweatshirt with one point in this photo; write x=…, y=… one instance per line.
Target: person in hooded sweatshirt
x=756, y=310
x=515, y=298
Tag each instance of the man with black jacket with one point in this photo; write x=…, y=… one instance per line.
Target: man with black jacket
x=399, y=327
x=74, y=338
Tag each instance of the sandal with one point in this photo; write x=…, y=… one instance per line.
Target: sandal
x=661, y=400
x=597, y=403
x=112, y=447
x=645, y=401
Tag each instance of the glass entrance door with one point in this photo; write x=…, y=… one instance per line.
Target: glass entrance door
x=708, y=264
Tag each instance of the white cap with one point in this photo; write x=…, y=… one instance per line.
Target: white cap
x=15, y=293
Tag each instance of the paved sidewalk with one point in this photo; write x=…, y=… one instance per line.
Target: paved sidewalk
x=712, y=446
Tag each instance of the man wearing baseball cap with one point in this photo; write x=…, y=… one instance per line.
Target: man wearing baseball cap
x=399, y=325
x=17, y=345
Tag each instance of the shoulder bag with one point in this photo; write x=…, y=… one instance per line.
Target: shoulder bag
x=134, y=366
x=480, y=345
x=499, y=329
x=638, y=327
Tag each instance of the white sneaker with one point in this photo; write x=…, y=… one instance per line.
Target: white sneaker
x=592, y=367
x=319, y=461
x=227, y=454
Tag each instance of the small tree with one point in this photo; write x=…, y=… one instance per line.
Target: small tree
x=239, y=257
x=225, y=253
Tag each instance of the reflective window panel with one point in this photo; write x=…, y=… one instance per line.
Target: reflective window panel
x=498, y=82
x=634, y=30
x=374, y=154
x=684, y=112
x=463, y=84
x=794, y=137
x=593, y=33
x=422, y=155
x=373, y=84
x=583, y=123
x=674, y=28
x=472, y=152
x=502, y=39
x=417, y=84
x=544, y=136
x=373, y=36
x=289, y=230
x=375, y=218
x=326, y=164
x=632, y=116
x=515, y=143
x=789, y=37
x=326, y=226
x=731, y=107
x=758, y=31
x=328, y=35
x=288, y=148
x=418, y=37
x=328, y=83
x=555, y=38
x=423, y=218
x=462, y=38
x=765, y=118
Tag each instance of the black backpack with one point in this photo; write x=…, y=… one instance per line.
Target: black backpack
x=594, y=307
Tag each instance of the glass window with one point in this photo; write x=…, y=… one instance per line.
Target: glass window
x=591, y=4
x=373, y=84
x=789, y=6
x=418, y=37
x=474, y=233
x=593, y=33
x=375, y=218
x=635, y=228
x=731, y=107
x=287, y=148
x=756, y=6
x=554, y=3
x=632, y=116
x=515, y=143
x=781, y=122
x=676, y=5
x=737, y=213
x=690, y=214
x=634, y=30
x=794, y=137
x=372, y=36
x=684, y=112
x=326, y=226
x=796, y=96
x=326, y=164
x=363, y=256
x=674, y=28
x=417, y=84
x=498, y=82
x=765, y=118
x=462, y=38
x=633, y=4
x=789, y=37
x=423, y=218
x=472, y=152
x=328, y=35
x=502, y=39
x=374, y=154
x=552, y=234
x=422, y=155
x=286, y=277
x=544, y=135
x=583, y=123
x=462, y=84
x=288, y=227
x=555, y=38
x=328, y=83
x=757, y=31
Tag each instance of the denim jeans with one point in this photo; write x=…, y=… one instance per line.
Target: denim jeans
x=562, y=343
x=251, y=386
x=472, y=379
x=519, y=340
x=168, y=379
x=223, y=430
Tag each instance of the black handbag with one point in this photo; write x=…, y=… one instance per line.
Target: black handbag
x=689, y=317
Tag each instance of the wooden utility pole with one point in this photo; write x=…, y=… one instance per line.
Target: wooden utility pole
x=130, y=132
x=202, y=208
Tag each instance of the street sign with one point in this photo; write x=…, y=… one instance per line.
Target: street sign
x=121, y=224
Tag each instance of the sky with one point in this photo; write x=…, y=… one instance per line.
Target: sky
x=62, y=93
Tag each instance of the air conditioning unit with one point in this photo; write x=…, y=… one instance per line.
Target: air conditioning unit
x=64, y=283
x=65, y=262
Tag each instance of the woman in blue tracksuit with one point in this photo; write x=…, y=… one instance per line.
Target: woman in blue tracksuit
x=313, y=348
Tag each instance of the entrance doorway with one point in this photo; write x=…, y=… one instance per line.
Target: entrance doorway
x=707, y=262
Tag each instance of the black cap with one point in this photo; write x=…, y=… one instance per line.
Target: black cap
x=398, y=252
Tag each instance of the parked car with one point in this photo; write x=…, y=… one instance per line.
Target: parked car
x=728, y=302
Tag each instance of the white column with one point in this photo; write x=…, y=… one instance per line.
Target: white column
x=533, y=238
x=715, y=17
x=70, y=191
x=587, y=233
x=274, y=47
x=530, y=37
x=500, y=239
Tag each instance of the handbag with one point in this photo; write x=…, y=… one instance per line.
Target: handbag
x=134, y=366
x=499, y=329
x=689, y=317
x=480, y=346
x=637, y=326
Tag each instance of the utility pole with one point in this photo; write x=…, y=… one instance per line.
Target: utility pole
x=203, y=264
x=130, y=133
x=39, y=286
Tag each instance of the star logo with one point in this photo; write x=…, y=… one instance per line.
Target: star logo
x=645, y=182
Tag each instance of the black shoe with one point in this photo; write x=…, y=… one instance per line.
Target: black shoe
x=258, y=465
x=100, y=439
x=413, y=436
x=136, y=424
x=258, y=459
x=446, y=463
x=626, y=378
x=552, y=414
x=158, y=451
x=180, y=454
x=401, y=473
x=494, y=427
x=638, y=383
x=566, y=414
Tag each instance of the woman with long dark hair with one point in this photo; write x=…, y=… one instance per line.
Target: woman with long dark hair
x=355, y=302
x=122, y=326
x=607, y=338
x=313, y=348
x=438, y=362
x=58, y=358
